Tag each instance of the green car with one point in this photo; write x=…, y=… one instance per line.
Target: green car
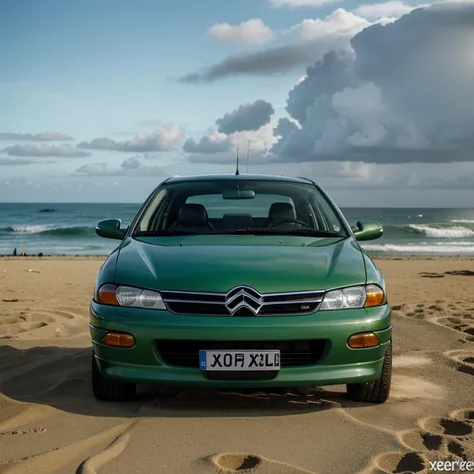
x=240, y=281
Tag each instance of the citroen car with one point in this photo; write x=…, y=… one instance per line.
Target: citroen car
x=240, y=281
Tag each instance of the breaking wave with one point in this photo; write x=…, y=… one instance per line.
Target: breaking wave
x=443, y=231
x=421, y=249
x=51, y=230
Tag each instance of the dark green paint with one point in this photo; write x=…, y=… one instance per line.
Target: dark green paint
x=216, y=263
x=368, y=230
x=110, y=229
x=234, y=177
x=142, y=363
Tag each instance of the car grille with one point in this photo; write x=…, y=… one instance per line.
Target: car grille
x=185, y=353
x=242, y=301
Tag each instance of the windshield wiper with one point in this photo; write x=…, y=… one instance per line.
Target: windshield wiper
x=248, y=231
x=313, y=233
x=158, y=233
x=263, y=231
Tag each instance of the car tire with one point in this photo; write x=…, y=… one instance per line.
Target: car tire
x=108, y=390
x=376, y=391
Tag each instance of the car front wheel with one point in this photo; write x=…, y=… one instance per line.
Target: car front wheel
x=376, y=391
x=108, y=390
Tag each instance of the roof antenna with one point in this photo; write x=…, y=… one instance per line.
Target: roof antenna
x=248, y=155
x=237, y=169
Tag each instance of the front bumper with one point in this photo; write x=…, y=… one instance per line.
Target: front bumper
x=143, y=363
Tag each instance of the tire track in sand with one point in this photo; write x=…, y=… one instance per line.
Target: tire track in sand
x=39, y=322
x=51, y=461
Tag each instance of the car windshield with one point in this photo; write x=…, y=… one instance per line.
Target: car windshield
x=239, y=206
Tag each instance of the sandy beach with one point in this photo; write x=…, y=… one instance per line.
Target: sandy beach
x=50, y=422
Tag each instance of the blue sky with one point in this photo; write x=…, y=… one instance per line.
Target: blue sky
x=116, y=70
x=100, y=67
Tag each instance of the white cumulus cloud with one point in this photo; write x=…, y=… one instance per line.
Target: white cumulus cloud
x=399, y=92
x=337, y=24
x=253, y=31
x=248, y=127
x=401, y=95
x=314, y=37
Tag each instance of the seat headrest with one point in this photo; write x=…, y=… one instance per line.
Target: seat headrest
x=280, y=211
x=193, y=214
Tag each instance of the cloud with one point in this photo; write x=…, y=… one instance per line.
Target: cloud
x=214, y=143
x=220, y=148
x=163, y=139
x=402, y=95
x=270, y=61
x=130, y=167
x=233, y=128
x=313, y=39
x=340, y=23
x=66, y=151
x=93, y=169
x=16, y=162
x=249, y=128
x=392, y=9
x=127, y=169
x=247, y=117
x=131, y=164
x=38, y=137
x=396, y=176
x=100, y=144
x=253, y=31
x=397, y=95
x=300, y=3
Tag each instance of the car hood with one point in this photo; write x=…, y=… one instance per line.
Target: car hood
x=219, y=263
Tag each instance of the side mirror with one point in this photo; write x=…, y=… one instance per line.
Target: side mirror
x=367, y=230
x=110, y=229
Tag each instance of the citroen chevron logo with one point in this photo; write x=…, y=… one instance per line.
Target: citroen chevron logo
x=243, y=297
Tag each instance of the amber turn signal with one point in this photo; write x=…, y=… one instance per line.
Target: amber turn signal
x=374, y=296
x=363, y=340
x=119, y=339
x=107, y=295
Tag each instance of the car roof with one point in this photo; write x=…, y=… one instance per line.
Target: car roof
x=233, y=177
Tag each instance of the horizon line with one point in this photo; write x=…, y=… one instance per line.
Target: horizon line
x=139, y=203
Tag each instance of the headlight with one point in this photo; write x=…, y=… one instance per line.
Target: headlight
x=353, y=297
x=129, y=296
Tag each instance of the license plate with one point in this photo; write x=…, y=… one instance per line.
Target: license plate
x=239, y=360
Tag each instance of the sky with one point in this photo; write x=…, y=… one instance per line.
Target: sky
x=101, y=101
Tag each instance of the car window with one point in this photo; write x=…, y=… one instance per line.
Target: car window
x=150, y=211
x=216, y=206
x=221, y=205
x=323, y=209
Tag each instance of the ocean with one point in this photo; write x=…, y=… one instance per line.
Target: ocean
x=68, y=229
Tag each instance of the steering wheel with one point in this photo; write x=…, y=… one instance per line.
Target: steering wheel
x=291, y=221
